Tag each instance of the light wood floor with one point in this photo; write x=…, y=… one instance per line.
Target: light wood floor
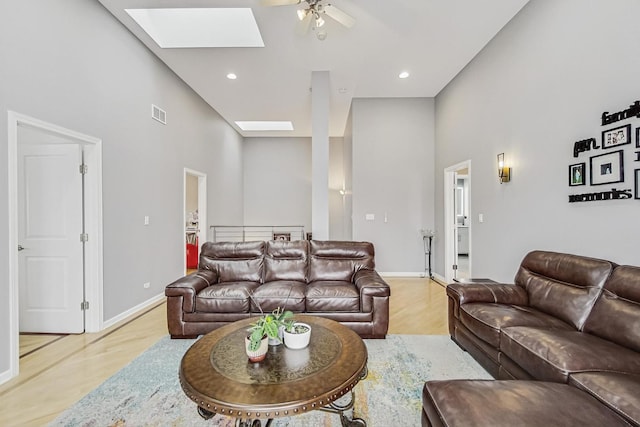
x=56, y=371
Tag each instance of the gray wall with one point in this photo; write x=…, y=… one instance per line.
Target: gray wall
x=277, y=181
x=393, y=173
x=91, y=75
x=538, y=87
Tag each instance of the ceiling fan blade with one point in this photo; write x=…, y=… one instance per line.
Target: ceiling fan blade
x=338, y=15
x=302, y=27
x=279, y=2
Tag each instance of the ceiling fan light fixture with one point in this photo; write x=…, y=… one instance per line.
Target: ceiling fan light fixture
x=319, y=20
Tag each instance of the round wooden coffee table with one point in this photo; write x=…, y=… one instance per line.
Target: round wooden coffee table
x=216, y=374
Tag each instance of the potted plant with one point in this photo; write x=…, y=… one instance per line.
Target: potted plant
x=280, y=316
x=267, y=328
x=296, y=334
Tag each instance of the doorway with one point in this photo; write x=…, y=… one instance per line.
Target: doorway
x=195, y=216
x=457, y=219
x=27, y=134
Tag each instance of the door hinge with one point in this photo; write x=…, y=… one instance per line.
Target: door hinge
x=455, y=266
x=84, y=305
x=84, y=169
x=84, y=237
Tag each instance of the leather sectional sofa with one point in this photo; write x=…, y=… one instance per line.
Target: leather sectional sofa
x=568, y=332
x=235, y=280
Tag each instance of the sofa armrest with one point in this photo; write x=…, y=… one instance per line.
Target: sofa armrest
x=370, y=283
x=371, y=287
x=188, y=287
x=498, y=293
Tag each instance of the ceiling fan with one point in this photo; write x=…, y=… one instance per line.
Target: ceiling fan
x=313, y=12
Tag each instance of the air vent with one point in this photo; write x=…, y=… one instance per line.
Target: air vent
x=158, y=114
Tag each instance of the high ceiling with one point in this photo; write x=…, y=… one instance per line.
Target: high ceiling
x=431, y=39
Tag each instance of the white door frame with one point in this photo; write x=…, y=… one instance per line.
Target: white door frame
x=450, y=237
x=202, y=209
x=93, y=225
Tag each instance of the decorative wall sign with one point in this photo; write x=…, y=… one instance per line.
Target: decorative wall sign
x=632, y=111
x=613, y=194
x=616, y=136
x=576, y=174
x=584, y=145
x=607, y=168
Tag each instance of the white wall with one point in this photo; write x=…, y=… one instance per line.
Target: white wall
x=393, y=174
x=337, y=203
x=277, y=181
x=91, y=75
x=539, y=86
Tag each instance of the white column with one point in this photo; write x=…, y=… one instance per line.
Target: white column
x=320, y=92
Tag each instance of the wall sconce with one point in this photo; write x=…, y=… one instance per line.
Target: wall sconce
x=504, y=172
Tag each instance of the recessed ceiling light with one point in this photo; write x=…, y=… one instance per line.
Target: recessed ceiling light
x=199, y=27
x=264, y=125
x=403, y=75
x=231, y=76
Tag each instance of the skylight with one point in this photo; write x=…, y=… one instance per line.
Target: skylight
x=264, y=125
x=199, y=27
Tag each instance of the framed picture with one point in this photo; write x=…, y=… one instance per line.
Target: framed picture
x=282, y=236
x=607, y=168
x=576, y=174
x=637, y=189
x=616, y=136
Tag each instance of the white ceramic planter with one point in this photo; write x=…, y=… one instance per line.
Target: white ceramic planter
x=297, y=341
x=259, y=354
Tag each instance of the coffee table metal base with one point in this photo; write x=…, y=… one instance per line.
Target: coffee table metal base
x=333, y=407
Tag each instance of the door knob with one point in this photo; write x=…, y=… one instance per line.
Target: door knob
x=21, y=248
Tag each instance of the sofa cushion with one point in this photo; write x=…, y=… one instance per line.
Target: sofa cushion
x=326, y=295
x=616, y=314
x=286, y=294
x=334, y=260
x=486, y=319
x=286, y=260
x=563, y=285
x=552, y=354
x=512, y=403
x=234, y=261
x=620, y=392
x=232, y=297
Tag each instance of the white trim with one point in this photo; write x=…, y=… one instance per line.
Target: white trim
x=5, y=376
x=402, y=274
x=450, y=236
x=93, y=214
x=202, y=209
x=440, y=279
x=133, y=310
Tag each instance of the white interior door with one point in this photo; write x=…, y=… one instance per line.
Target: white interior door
x=50, y=223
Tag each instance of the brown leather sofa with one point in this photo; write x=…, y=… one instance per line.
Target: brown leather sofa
x=235, y=280
x=568, y=329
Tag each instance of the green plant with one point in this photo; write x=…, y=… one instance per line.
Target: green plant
x=293, y=328
x=267, y=325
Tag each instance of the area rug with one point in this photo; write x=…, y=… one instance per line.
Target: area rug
x=147, y=391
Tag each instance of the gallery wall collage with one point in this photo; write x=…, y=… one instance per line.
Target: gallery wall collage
x=600, y=160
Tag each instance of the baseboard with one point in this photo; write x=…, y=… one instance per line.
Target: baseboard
x=5, y=376
x=440, y=279
x=402, y=274
x=133, y=310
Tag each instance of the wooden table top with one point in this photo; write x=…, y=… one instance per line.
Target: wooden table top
x=215, y=372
